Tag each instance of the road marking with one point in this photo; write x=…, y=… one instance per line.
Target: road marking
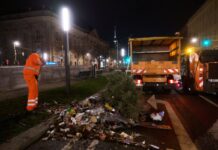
x=208, y=100
x=183, y=137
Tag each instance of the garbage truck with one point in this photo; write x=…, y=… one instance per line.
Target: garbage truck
x=155, y=62
x=201, y=71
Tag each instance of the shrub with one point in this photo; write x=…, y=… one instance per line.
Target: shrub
x=122, y=95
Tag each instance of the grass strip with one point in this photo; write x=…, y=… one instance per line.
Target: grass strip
x=14, y=119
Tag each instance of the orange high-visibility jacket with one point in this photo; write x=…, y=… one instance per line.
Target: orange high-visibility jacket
x=33, y=65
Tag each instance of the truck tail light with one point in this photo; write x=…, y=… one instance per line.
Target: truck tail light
x=171, y=81
x=139, y=81
x=176, y=81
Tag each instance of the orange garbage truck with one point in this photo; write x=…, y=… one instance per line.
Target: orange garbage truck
x=201, y=71
x=155, y=62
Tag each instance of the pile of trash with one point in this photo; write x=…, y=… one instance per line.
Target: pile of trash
x=92, y=119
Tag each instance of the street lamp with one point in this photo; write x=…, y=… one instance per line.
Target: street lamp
x=45, y=56
x=88, y=54
x=122, y=52
x=194, y=40
x=16, y=43
x=65, y=19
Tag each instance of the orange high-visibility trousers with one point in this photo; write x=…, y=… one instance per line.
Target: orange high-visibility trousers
x=32, y=84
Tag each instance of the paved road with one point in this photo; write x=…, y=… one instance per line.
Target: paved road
x=196, y=114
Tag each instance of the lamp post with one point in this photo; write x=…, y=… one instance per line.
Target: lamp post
x=65, y=18
x=16, y=43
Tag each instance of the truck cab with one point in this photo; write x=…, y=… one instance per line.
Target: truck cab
x=202, y=71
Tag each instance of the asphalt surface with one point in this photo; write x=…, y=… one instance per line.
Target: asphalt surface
x=196, y=114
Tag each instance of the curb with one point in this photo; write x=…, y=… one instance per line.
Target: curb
x=185, y=141
x=26, y=138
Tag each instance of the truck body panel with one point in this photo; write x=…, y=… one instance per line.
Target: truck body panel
x=155, y=59
x=202, y=72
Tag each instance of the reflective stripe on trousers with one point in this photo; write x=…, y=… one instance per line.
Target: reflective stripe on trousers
x=32, y=84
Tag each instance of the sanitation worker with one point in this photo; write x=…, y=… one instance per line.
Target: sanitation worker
x=31, y=72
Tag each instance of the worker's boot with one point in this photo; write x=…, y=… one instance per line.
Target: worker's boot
x=30, y=108
x=32, y=104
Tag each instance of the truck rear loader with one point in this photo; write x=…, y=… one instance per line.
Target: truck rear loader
x=155, y=61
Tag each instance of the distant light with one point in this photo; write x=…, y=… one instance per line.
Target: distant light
x=65, y=17
x=16, y=43
x=189, y=50
x=127, y=60
x=206, y=42
x=100, y=56
x=122, y=52
x=115, y=61
x=194, y=40
x=107, y=60
x=45, y=56
x=51, y=63
x=88, y=54
x=120, y=61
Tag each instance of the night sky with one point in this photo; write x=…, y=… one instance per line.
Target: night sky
x=133, y=18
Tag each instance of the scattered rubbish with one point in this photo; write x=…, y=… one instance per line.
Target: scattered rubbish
x=45, y=138
x=55, y=102
x=143, y=142
x=102, y=136
x=154, y=146
x=157, y=116
x=92, y=145
x=124, y=135
x=94, y=120
x=61, y=124
x=108, y=107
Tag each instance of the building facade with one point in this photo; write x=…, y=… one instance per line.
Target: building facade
x=42, y=29
x=203, y=25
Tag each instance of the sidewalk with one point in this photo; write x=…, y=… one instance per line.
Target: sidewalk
x=42, y=87
x=23, y=91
